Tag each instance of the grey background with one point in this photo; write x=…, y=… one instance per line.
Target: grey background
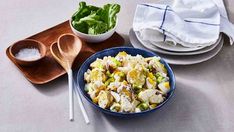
x=203, y=101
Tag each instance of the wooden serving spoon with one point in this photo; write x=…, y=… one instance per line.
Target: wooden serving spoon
x=69, y=46
x=65, y=52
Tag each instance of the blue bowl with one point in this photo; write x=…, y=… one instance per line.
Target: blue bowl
x=113, y=52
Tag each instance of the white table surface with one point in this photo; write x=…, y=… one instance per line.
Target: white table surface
x=203, y=101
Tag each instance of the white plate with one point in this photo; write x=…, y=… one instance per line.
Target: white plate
x=173, y=48
x=159, y=50
x=179, y=60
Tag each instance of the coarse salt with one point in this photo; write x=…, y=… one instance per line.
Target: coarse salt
x=28, y=54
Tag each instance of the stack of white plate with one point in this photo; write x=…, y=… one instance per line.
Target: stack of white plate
x=177, y=54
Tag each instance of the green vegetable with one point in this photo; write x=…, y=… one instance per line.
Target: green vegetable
x=109, y=74
x=83, y=11
x=94, y=20
x=150, y=68
x=143, y=106
x=82, y=26
x=121, y=74
x=137, y=88
x=159, y=77
x=108, y=14
x=107, y=82
x=158, y=74
x=116, y=62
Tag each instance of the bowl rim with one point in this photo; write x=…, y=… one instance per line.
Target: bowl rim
x=173, y=86
x=43, y=54
x=97, y=35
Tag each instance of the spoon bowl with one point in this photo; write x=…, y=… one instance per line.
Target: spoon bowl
x=69, y=46
x=57, y=55
x=65, y=51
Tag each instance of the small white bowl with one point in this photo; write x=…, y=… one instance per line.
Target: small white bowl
x=94, y=38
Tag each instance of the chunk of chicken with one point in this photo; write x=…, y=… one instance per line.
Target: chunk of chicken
x=126, y=105
x=156, y=99
x=146, y=94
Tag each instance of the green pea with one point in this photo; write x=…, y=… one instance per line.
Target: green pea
x=143, y=106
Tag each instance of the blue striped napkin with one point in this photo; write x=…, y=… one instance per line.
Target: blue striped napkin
x=190, y=23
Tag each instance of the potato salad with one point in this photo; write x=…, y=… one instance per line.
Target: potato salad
x=126, y=83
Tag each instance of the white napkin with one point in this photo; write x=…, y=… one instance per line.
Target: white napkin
x=191, y=23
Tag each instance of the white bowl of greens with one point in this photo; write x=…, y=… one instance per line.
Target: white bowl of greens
x=94, y=24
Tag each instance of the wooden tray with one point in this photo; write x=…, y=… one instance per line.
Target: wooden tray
x=48, y=69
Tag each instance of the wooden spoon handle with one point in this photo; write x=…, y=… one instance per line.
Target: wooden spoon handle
x=71, y=102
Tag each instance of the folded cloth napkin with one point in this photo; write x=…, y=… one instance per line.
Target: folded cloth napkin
x=191, y=23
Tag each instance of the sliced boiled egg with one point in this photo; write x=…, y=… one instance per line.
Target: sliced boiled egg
x=164, y=87
x=136, y=77
x=104, y=99
x=97, y=75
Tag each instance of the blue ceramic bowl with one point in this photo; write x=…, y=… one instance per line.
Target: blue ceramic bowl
x=113, y=52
